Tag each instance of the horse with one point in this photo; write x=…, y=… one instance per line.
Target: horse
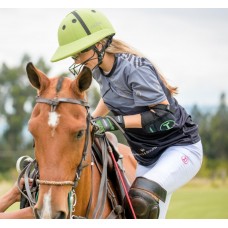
x=68, y=176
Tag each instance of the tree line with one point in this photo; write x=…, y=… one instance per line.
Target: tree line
x=17, y=99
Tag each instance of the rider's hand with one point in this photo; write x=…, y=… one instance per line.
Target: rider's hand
x=107, y=124
x=104, y=124
x=14, y=191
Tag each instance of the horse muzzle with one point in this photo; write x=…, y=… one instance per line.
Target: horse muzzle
x=51, y=206
x=57, y=215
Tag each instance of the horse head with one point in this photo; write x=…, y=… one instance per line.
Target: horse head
x=59, y=124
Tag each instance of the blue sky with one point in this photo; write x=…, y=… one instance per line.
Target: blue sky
x=189, y=46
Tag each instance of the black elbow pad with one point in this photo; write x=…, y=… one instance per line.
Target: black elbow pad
x=161, y=118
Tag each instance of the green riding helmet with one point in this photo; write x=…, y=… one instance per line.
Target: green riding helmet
x=80, y=30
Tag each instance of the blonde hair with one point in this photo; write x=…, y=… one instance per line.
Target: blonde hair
x=118, y=46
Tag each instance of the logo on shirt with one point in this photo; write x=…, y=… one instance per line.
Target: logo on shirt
x=167, y=125
x=143, y=152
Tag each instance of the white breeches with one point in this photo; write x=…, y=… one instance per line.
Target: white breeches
x=176, y=166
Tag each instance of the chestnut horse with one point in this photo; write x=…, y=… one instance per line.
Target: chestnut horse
x=69, y=182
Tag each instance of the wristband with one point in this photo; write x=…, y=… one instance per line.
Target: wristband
x=119, y=120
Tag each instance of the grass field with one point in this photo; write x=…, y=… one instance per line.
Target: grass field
x=199, y=199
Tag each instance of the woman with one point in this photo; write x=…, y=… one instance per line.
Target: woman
x=8, y=199
x=163, y=138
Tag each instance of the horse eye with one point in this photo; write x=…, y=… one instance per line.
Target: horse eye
x=79, y=134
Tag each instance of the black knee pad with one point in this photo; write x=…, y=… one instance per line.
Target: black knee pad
x=144, y=204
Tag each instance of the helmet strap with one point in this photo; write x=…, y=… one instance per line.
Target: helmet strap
x=101, y=53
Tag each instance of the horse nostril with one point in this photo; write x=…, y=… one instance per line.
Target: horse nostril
x=37, y=213
x=60, y=215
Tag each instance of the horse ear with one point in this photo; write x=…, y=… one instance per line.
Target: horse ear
x=36, y=77
x=83, y=81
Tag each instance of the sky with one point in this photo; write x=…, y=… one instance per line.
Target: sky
x=189, y=46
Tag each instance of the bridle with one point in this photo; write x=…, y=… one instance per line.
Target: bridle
x=25, y=172
x=54, y=103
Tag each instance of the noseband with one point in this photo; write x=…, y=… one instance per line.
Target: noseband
x=54, y=103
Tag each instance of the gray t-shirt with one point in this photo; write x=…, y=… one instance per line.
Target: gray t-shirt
x=132, y=85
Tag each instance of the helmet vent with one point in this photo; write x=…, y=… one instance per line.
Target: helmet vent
x=64, y=26
x=74, y=21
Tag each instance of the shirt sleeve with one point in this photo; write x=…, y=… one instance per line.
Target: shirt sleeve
x=145, y=86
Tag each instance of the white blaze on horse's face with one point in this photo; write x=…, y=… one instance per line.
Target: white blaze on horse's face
x=53, y=120
x=46, y=210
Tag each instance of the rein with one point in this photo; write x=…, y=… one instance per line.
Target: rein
x=29, y=172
